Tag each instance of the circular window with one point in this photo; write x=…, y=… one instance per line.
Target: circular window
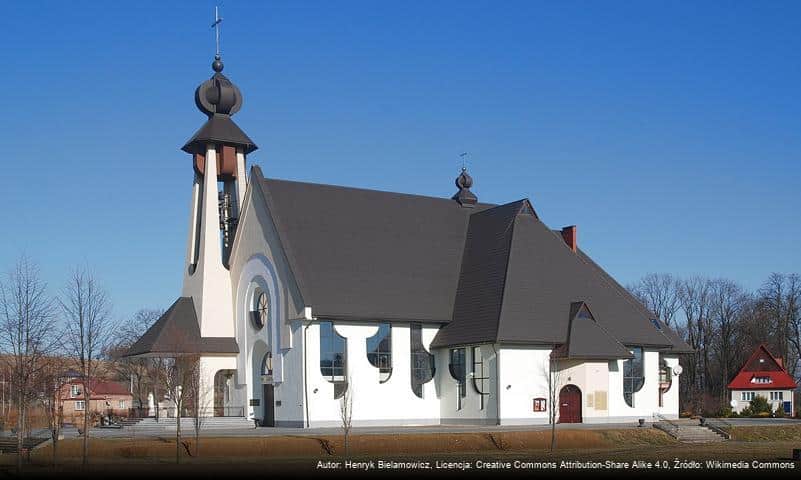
x=261, y=309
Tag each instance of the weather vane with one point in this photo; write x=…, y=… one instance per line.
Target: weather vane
x=216, y=27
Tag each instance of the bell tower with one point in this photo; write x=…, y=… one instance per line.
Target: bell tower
x=218, y=149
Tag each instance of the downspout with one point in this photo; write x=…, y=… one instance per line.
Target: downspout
x=305, y=375
x=498, y=385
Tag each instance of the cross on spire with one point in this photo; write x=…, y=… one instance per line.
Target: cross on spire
x=216, y=27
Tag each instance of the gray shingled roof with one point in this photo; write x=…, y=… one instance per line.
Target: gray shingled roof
x=219, y=128
x=489, y=273
x=587, y=340
x=177, y=332
x=369, y=255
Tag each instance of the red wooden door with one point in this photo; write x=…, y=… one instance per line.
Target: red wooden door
x=570, y=404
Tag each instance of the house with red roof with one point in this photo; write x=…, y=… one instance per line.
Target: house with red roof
x=105, y=397
x=763, y=375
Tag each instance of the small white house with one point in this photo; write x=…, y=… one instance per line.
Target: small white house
x=428, y=310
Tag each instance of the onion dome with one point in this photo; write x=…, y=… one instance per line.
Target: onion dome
x=464, y=196
x=218, y=94
x=219, y=98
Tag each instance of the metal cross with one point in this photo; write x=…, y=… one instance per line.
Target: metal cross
x=216, y=27
x=463, y=155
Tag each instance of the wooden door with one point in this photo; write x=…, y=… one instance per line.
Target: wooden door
x=570, y=404
x=269, y=405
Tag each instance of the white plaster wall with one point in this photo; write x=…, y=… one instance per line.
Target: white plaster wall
x=646, y=400
x=591, y=378
x=523, y=377
x=210, y=284
x=257, y=261
x=374, y=403
x=736, y=395
x=470, y=412
x=209, y=366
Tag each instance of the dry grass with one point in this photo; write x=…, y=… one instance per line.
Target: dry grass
x=767, y=433
x=363, y=445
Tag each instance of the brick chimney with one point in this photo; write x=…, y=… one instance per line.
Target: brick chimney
x=570, y=236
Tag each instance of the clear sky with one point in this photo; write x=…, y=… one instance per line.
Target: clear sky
x=668, y=131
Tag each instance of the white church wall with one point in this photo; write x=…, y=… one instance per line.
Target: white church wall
x=646, y=400
x=209, y=284
x=374, y=403
x=592, y=378
x=257, y=263
x=209, y=366
x=523, y=377
x=468, y=410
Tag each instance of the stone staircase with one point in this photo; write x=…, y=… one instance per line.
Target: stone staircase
x=690, y=431
x=164, y=425
x=697, y=434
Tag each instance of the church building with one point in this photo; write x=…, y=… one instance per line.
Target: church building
x=425, y=310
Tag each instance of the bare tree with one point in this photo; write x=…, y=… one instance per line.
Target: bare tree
x=550, y=369
x=88, y=329
x=177, y=374
x=781, y=297
x=695, y=298
x=26, y=335
x=135, y=370
x=659, y=292
x=197, y=396
x=52, y=384
x=729, y=303
x=346, y=412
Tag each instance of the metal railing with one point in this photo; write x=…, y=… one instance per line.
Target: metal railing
x=204, y=412
x=718, y=425
x=666, y=425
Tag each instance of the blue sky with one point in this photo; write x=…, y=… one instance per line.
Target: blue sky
x=668, y=131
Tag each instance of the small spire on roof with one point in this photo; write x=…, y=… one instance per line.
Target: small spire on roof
x=464, y=196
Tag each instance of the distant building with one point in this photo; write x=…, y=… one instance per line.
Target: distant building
x=763, y=375
x=105, y=398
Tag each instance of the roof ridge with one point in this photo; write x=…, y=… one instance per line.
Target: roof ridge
x=373, y=190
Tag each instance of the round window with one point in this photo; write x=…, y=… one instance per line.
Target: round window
x=261, y=310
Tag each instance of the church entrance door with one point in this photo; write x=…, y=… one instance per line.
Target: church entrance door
x=570, y=404
x=269, y=405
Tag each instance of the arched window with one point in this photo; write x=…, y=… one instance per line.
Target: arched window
x=267, y=364
x=379, y=351
x=457, y=368
x=260, y=313
x=480, y=376
x=333, y=358
x=422, y=362
x=633, y=375
x=665, y=379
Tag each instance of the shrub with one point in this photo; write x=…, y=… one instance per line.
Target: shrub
x=759, y=405
x=779, y=412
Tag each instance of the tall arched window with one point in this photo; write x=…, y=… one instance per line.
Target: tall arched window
x=333, y=358
x=458, y=372
x=633, y=375
x=267, y=364
x=379, y=351
x=422, y=362
x=665, y=380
